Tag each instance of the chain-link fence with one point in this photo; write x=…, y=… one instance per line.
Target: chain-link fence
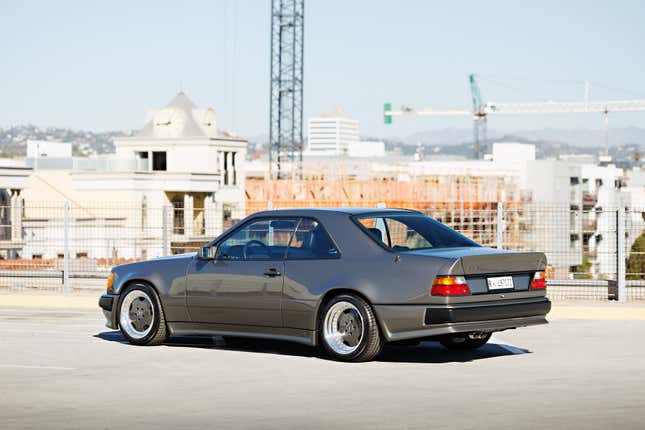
x=593, y=253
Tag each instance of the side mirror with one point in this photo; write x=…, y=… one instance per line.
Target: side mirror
x=206, y=253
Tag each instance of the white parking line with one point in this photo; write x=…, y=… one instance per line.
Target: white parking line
x=24, y=366
x=38, y=331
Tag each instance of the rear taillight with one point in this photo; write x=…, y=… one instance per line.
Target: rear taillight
x=539, y=281
x=449, y=286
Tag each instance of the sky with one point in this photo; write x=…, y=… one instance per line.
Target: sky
x=102, y=65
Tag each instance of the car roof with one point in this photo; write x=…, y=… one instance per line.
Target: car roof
x=343, y=210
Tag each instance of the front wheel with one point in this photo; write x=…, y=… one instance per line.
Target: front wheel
x=141, y=318
x=471, y=340
x=348, y=330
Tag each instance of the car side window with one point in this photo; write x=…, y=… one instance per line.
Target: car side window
x=376, y=228
x=311, y=241
x=403, y=238
x=411, y=231
x=264, y=239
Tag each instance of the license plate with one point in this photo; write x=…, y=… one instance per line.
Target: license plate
x=500, y=283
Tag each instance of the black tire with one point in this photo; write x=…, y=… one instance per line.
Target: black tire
x=369, y=344
x=158, y=332
x=464, y=341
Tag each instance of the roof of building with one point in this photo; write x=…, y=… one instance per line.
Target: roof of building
x=337, y=113
x=190, y=121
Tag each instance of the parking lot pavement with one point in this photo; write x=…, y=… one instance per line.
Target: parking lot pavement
x=60, y=368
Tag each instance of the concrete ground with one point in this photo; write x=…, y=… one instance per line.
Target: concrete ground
x=60, y=368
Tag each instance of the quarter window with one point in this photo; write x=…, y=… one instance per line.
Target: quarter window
x=311, y=241
x=403, y=236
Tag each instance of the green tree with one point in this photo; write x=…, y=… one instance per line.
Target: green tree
x=636, y=260
x=583, y=271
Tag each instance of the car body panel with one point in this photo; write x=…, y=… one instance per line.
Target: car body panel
x=166, y=274
x=236, y=297
x=234, y=292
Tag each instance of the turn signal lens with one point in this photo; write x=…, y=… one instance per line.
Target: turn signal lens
x=449, y=286
x=539, y=281
x=109, y=281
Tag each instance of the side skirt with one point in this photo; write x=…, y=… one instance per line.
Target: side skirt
x=305, y=337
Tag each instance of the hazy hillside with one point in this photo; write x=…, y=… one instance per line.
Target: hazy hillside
x=13, y=140
x=573, y=137
x=550, y=143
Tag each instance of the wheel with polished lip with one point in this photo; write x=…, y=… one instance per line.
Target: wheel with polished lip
x=472, y=340
x=348, y=330
x=141, y=318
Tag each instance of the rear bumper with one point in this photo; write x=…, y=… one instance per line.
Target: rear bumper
x=108, y=302
x=468, y=312
x=416, y=321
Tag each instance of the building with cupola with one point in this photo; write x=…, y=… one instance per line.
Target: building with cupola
x=169, y=187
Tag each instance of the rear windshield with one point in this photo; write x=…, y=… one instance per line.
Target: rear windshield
x=407, y=232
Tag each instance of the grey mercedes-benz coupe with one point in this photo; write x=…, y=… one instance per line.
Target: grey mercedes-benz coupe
x=346, y=280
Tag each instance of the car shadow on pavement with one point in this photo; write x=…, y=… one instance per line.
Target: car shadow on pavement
x=434, y=352
x=425, y=352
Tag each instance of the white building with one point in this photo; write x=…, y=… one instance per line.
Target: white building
x=332, y=134
x=179, y=161
x=602, y=195
x=14, y=176
x=366, y=149
x=634, y=191
x=553, y=214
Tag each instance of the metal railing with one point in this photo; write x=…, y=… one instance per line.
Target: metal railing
x=65, y=246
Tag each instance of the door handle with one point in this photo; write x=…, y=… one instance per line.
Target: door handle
x=272, y=272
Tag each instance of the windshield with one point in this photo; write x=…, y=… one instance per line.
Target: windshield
x=407, y=232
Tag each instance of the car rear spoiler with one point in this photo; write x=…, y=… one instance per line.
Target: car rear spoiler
x=511, y=262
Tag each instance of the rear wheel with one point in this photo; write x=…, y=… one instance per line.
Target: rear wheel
x=471, y=340
x=141, y=318
x=348, y=330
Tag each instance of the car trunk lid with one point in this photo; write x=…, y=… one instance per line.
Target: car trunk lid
x=488, y=270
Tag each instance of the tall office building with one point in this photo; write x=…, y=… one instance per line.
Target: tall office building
x=332, y=134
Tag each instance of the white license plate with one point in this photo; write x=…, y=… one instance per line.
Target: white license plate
x=500, y=283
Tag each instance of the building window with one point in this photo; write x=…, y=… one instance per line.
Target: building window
x=178, y=214
x=228, y=169
x=159, y=160
x=37, y=256
x=225, y=172
x=144, y=212
x=574, y=180
x=234, y=172
x=143, y=162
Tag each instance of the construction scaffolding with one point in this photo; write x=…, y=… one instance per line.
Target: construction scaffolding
x=466, y=203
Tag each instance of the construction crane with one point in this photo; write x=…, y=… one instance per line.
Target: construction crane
x=286, y=98
x=480, y=111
